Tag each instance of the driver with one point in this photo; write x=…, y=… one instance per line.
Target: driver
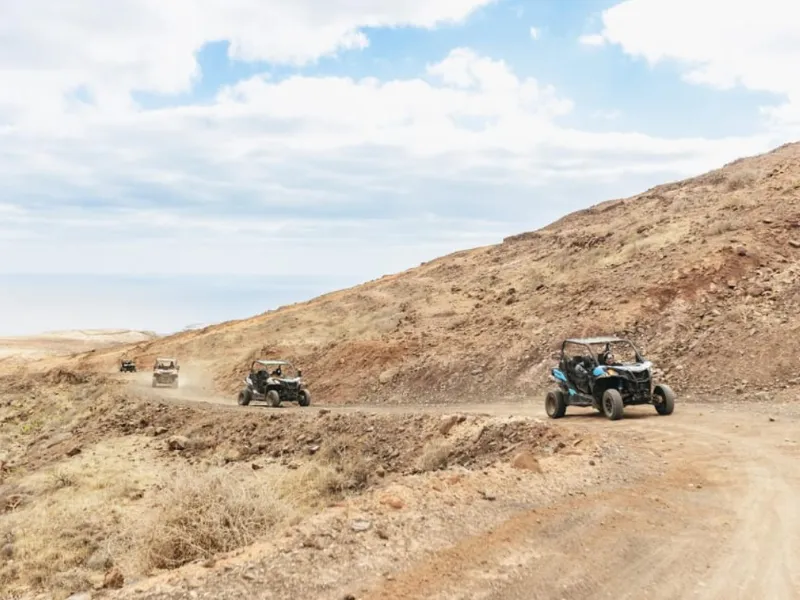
x=609, y=358
x=277, y=372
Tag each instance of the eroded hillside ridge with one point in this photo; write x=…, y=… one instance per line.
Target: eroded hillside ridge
x=701, y=273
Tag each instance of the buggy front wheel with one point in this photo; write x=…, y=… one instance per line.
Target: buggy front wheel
x=303, y=398
x=612, y=404
x=244, y=398
x=665, y=401
x=554, y=404
x=274, y=398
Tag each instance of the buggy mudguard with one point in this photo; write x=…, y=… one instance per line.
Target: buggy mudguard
x=563, y=383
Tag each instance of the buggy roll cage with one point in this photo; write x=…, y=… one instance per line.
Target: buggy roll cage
x=589, y=342
x=267, y=364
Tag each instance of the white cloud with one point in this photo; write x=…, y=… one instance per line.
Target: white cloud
x=608, y=115
x=49, y=48
x=592, y=40
x=304, y=174
x=721, y=44
x=534, y=33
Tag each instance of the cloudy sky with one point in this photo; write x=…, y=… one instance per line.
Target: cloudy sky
x=164, y=163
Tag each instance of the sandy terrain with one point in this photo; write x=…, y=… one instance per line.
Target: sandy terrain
x=425, y=467
x=699, y=504
x=449, y=501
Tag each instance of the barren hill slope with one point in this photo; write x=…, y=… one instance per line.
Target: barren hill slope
x=702, y=273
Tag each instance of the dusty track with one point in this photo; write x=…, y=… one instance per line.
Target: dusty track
x=723, y=523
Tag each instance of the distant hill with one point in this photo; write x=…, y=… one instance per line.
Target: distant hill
x=59, y=343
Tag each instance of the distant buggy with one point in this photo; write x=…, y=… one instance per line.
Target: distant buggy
x=165, y=372
x=604, y=382
x=267, y=382
x=127, y=366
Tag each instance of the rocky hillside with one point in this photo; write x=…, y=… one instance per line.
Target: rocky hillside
x=702, y=273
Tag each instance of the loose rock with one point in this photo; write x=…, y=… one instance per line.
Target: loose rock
x=526, y=462
x=177, y=442
x=360, y=525
x=113, y=579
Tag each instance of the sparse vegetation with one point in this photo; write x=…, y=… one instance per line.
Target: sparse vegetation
x=714, y=178
x=741, y=180
x=435, y=456
x=200, y=516
x=61, y=479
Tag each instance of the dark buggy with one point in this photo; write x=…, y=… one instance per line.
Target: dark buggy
x=603, y=381
x=266, y=382
x=127, y=366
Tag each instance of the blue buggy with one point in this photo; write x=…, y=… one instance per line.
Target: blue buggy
x=609, y=380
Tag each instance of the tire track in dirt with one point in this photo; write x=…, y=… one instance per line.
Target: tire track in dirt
x=722, y=523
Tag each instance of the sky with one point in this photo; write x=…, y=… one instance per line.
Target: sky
x=167, y=163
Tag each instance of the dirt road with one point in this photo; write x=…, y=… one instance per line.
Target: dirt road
x=724, y=522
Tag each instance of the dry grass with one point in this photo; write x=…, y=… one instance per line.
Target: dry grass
x=742, y=180
x=435, y=456
x=722, y=226
x=198, y=517
x=339, y=470
x=218, y=511
x=51, y=540
x=62, y=479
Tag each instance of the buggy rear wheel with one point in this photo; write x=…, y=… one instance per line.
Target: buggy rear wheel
x=303, y=398
x=274, y=398
x=554, y=404
x=612, y=405
x=666, y=399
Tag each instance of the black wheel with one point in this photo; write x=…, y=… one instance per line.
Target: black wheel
x=304, y=398
x=245, y=396
x=274, y=398
x=555, y=405
x=664, y=399
x=612, y=405
x=154, y=383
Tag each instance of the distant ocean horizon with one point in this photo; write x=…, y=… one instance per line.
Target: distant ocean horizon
x=31, y=304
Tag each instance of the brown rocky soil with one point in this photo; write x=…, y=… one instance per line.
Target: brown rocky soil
x=106, y=492
x=100, y=486
x=702, y=273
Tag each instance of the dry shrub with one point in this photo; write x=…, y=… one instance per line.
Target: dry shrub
x=340, y=469
x=435, y=456
x=714, y=178
x=51, y=543
x=722, y=226
x=202, y=516
x=61, y=479
x=311, y=484
x=741, y=180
